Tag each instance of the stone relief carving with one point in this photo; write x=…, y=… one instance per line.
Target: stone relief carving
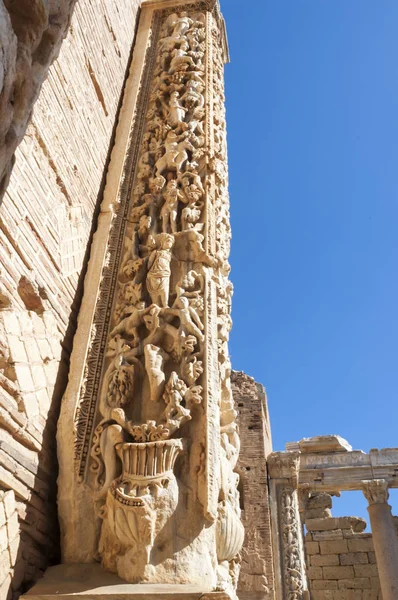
x=283, y=469
x=292, y=553
x=165, y=387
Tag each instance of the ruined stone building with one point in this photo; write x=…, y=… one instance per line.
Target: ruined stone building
x=133, y=462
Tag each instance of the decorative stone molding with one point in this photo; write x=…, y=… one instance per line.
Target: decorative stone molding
x=291, y=582
x=375, y=491
x=284, y=465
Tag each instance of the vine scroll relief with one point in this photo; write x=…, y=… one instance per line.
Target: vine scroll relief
x=156, y=434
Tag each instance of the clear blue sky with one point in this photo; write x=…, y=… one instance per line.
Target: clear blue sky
x=312, y=109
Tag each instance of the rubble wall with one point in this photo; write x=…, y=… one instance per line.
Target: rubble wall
x=256, y=580
x=46, y=220
x=341, y=563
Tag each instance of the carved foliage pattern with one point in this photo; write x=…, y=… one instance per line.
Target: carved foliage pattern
x=291, y=549
x=163, y=315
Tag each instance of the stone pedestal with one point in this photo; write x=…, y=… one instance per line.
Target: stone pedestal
x=384, y=536
x=92, y=582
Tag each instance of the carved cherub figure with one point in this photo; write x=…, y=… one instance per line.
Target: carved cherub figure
x=191, y=369
x=171, y=195
x=144, y=227
x=175, y=155
x=192, y=97
x=158, y=276
x=190, y=284
x=180, y=23
x=175, y=413
x=176, y=112
x=190, y=323
x=180, y=60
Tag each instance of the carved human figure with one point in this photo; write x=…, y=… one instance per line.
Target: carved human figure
x=181, y=61
x=166, y=46
x=155, y=359
x=180, y=23
x=195, y=125
x=176, y=113
x=190, y=323
x=156, y=185
x=144, y=227
x=192, y=97
x=171, y=195
x=158, y=277
x=175, y=413
x=190, y=285
x=192, y=193
x=175, y=155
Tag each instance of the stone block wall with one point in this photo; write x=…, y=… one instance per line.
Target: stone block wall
x=341, y=563
x=46, y=219
x=256, y=580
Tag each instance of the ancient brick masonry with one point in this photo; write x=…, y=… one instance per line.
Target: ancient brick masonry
x=256, y=579
x=45, y=223
x=340, y=557
x=31, y=34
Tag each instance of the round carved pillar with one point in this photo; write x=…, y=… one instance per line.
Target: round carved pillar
x=384, y=536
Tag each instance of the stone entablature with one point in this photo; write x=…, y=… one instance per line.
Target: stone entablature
x=308, y=471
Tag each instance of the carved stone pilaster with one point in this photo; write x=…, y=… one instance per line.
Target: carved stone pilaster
x=156, y=442
x=283, y=468
x=375, y=491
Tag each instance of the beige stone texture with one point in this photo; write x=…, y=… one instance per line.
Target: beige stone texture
x=325, y=560
x=147, y=438
x=92, y=581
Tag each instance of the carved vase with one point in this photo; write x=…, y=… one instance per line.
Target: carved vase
x=139, y=503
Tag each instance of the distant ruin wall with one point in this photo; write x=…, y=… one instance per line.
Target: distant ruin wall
x=341, y=563
x=256, y=580
x=45, y=223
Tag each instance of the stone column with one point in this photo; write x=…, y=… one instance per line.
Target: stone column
x=287, y=534
x=151, y=489
x=384, y=536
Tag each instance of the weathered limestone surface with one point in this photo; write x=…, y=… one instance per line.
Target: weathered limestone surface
x=256, y=579
x=45, y=223
x=147, y=437
x=31, y=33
x=340, y=557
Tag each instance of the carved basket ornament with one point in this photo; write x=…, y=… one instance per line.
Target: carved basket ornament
x=230, y=533
x=147, y=463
